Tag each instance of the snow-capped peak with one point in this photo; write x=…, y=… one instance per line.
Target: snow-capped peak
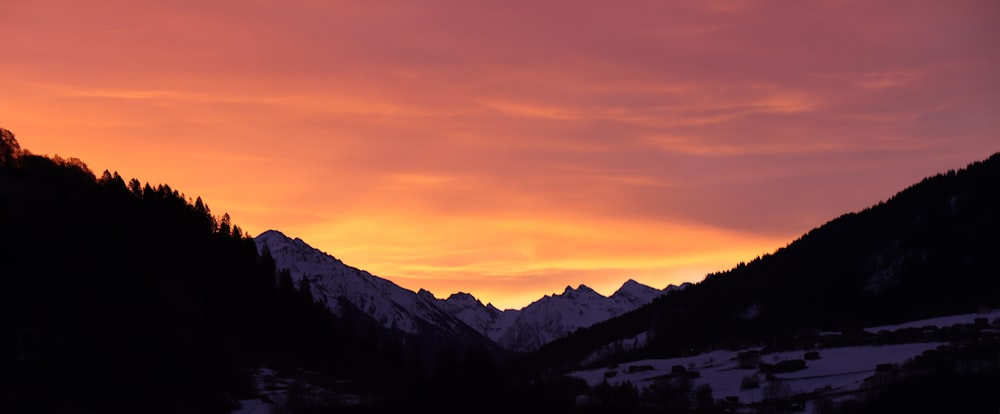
x=544, y=320
x=426, y=294
x=632, y=292
x=581, y=292
x=330, y=279
x=465, y=298
x=630, y=286
x=550, y=317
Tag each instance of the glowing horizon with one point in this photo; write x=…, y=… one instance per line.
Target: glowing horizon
x=510, y=150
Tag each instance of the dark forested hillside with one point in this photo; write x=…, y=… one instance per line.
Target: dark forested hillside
x=929, y=250
x=122, y=296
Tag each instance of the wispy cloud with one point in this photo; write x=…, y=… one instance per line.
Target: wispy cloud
x=512, y=148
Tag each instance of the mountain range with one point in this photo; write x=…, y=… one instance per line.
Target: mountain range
x=397, y=308
x=120, y=296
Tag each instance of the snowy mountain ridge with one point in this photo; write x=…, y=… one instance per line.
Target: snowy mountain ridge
x=552, y=316
x=395, y=307
x=391, y=305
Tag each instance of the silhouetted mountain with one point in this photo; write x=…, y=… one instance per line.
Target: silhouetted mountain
x=119, y=296
x=420, y=312
x=393, y=307
x=550, y=317
x=929, y=250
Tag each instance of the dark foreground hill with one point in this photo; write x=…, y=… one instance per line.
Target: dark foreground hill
x=930, y=250
x=119, y=296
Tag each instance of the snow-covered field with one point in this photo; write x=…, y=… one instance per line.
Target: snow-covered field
x=837, y=369
x=940, y=321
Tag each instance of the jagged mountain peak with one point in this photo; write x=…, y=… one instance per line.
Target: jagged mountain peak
x=554, y=316
x=463, y=297
x=631, y=282
x=582, y=291
x=631, y=285
x=275, y=236
x=330, y=280
x=426, y=295
x=272, y=233
x=274, y=239
x=525, y=329
x=635, y=292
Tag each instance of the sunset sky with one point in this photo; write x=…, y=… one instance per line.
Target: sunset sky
x=511, y=148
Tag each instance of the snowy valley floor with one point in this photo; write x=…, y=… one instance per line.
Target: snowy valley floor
x=834, y=372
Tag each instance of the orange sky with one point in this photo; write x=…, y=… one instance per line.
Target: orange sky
x=511, y=148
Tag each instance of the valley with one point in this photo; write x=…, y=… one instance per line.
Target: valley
x=123, y=296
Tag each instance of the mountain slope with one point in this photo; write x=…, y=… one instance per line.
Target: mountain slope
x=398, y=308
x=329, y=279
x=486, y=319
x=554, y=316
x=929, y=250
